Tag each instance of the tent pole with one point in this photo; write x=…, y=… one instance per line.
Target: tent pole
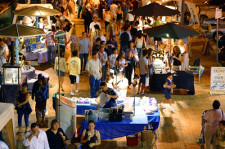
x=17, y=50
x=182, y=12
x=36, y=22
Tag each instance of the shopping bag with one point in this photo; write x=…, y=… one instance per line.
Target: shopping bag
x=147, y=81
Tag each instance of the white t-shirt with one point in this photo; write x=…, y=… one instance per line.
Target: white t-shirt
x=130, y=17
x=92, y=26
x=122, y=83
x=49, y=40
x=3, y=145
x=113, y=9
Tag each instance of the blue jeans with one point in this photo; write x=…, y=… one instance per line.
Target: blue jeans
x=79, y=10
x=51, y=54
x=83, y=57
x=20, y=116
x=104, y=70
x=94, y=85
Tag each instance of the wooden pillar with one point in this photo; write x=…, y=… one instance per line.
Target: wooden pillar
x=10, y=130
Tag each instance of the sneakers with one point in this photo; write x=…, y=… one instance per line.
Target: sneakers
x=76, y=91
x=172, y=109
x=71, y=93
x=162, y=106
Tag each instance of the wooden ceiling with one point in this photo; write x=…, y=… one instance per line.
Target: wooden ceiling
x=197, y=2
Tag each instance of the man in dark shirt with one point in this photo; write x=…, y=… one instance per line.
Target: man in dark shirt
x=97, y=45
x=110, y=93
x=125, y=38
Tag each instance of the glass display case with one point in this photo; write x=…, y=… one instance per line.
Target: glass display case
x=11, y=73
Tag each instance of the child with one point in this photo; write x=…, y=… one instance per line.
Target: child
x=168, y=86
x=220, y=136
x=74, y=71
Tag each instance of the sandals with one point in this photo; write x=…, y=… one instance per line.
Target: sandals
x=19, y=132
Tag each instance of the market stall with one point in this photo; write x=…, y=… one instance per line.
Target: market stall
x=7, y=121
x=146, y=110
x=182, y=79
x=35, y=48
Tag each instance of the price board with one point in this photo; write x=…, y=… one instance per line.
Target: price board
x=217, y=80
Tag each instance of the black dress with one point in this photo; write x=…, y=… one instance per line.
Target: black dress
x=55, y=140
x=129, y=69
x=92, y=140
x=176, y=62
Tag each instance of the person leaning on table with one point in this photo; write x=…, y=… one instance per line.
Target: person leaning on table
x=90, y=137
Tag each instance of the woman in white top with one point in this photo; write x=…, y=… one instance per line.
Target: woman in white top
x=112, y=59
x=121, y=62
x=211, y=119
x=61, y=68
x=107, y=17
x=185, y=55
x=139, y=43
x=73, y=39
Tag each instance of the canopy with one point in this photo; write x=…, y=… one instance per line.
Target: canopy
x=37, y=11
x=18, y=30
x=171, y=30
x=154, y=9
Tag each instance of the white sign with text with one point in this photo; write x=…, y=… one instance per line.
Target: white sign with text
x=217, y=79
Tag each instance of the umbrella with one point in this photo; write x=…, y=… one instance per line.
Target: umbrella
x=154, y=9
x=171, y=30
x=37, y=11
x=17, y=31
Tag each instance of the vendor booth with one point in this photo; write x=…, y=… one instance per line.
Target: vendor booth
x=7, y=121
x=35, y=48
x=146, y=113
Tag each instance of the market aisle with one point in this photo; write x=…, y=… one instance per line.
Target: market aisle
x=177, y=130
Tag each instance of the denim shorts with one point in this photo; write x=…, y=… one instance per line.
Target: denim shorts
x=62, y=74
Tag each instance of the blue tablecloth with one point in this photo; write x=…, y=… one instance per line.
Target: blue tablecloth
x=110, y=130
x=182, y=79
x=82, y=107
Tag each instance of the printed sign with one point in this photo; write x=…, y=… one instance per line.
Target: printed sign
x=217, y=80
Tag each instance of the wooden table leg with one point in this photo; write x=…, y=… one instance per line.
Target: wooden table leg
x=10, y=130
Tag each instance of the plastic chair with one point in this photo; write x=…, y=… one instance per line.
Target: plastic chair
x=197, y=68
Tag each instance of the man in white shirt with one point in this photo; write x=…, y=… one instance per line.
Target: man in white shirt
x=93, y=68
x=3, y=145
x=50, y=43
x=36, y=138
x=113, y=9
x=121, y=84
x=95, y=26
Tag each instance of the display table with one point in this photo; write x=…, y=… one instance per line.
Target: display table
x=7, y=119
x=9, y=92
x=111, y=130
x=30, y=73
x=182, y=79
x=41, y=56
